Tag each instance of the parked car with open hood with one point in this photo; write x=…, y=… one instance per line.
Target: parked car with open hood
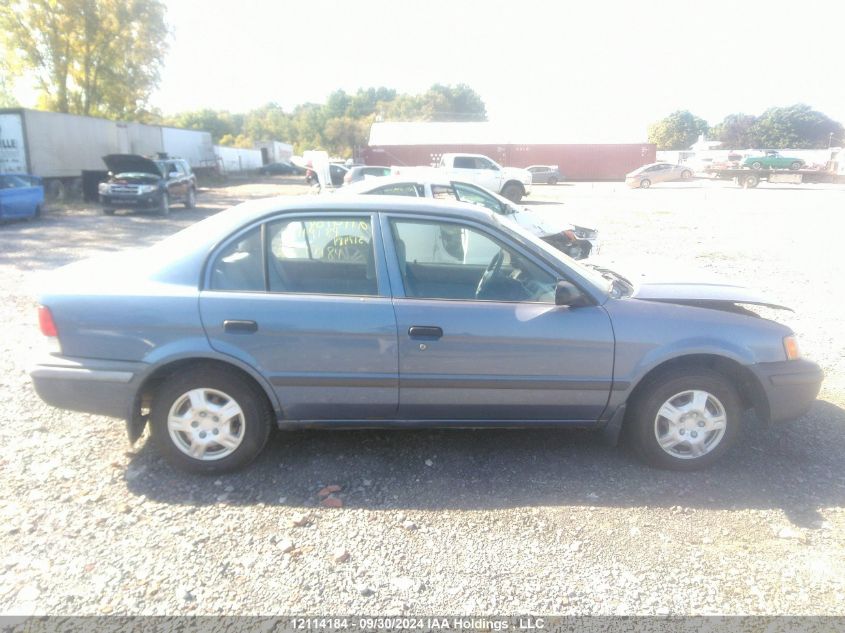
x=576, y=241
x=138, y=182
x=384, y=312
x=653, y=173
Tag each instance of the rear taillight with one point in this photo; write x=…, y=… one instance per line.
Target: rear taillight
x=45, y=322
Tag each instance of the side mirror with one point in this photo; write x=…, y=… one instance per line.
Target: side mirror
x=567, y=294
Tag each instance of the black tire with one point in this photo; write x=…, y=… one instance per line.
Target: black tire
x=513, y=192
x=757, y=165
x=164, y=205
x=795, y=165
x=751, y=181
x=38, y=211
x=686, y=175
x=642, y=418
x=645, y=183
x=191, y=200
x=257, y=413
x=108, y=211
x=552, y=180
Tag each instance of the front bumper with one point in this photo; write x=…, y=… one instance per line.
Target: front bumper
x=790, y=387
x=101, y=387
x=145, y=201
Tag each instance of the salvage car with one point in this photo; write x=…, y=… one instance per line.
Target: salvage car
x=579, y=242
x=21, y=197
x=772, y=160
x=138, y=182
x=647, y=175
x=545, y=174
x=353, y=312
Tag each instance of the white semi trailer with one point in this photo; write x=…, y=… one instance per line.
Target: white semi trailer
x=63, y=148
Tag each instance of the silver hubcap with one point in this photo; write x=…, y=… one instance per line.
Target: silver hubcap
x=690, y=424
x=206, y=424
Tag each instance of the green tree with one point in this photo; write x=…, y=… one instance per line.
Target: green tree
x=99, y=57
x=737, y=131
x=677, y=131
x=796, y=127
x=219, y=123
x=7, y=99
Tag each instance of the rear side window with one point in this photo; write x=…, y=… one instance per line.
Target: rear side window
x=332, y=255
x=402, y=189
x=238, y=267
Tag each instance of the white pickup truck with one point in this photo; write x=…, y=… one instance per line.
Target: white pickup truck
x=511, y=182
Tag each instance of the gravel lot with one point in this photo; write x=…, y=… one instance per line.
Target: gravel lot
x=437, y=522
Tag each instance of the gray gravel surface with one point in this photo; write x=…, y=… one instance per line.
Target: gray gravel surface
x=432, y=522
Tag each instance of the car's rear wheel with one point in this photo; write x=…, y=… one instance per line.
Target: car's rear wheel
x=686, y=175
x=553, y=180
x=512, y=192
x=210, y=420
x=645, y=183
x=795, y=165
x=191, y=200
x=108, y=211
x=757, y=165
x=686, y=421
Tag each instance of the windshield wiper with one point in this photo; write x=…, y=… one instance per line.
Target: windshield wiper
x=621, y=285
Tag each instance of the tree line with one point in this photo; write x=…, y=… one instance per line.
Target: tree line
x=103, y=58
x=338, y=125
x=796, y=126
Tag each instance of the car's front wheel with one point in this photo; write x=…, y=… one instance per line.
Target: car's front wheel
x=756, y=165
x=645, y=183
x=795, y=165
x=209, y=420
x=686, y=175
x=191, y=200
x=686, y=421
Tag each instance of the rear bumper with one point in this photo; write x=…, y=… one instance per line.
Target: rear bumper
x=790, y=387
x=93, y=386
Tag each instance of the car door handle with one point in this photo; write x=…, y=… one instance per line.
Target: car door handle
x=425, y=331
x=240, y=327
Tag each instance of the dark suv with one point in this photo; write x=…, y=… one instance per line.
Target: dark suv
x=137, y=182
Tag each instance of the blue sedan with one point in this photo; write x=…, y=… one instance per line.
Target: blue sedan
x=21, y=196
x=394, y=312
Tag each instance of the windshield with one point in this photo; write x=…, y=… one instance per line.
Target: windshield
x=589, y=274
x=466, y=192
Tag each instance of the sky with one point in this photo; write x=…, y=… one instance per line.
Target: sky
x=589, y=70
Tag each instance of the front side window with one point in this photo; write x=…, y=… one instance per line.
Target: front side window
x=484, y=163
x=444, y=260
x=324, y=255
x=466, y=193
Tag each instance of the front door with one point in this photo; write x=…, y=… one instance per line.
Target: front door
x=480, y=337
x=314, y=317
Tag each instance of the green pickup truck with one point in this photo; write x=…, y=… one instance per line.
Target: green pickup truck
x=772, y=160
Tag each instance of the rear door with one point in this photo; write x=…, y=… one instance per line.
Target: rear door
x=304, y=299
x=479, y=335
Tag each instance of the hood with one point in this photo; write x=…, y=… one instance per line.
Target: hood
x=517, y=173
x=131, y=163
x=702, y=294
x=539, y=225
